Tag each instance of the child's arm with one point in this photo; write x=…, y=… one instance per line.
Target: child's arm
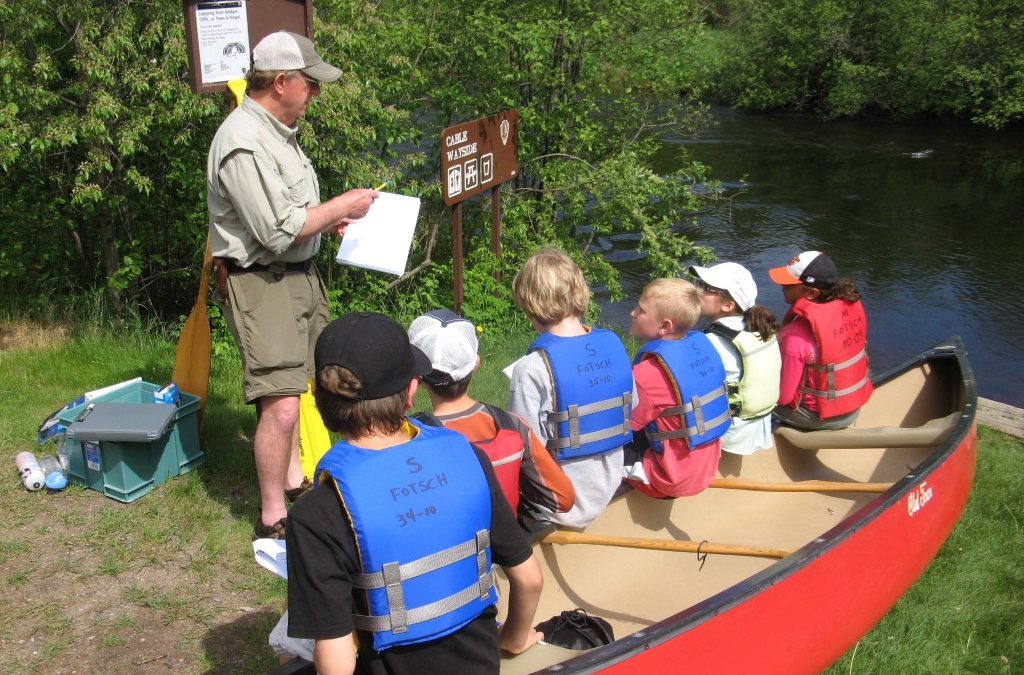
x=542, y=481
x=798, y=349
x=525, y=584
x=336, y=656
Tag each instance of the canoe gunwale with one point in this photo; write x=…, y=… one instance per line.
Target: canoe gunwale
x=668, y=629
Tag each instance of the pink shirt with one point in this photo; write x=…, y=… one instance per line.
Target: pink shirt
x=798, y=346
x=678, y=470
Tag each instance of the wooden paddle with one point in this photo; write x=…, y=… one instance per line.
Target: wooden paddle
x=192, y=359
x=798, y=486
x=569, y=537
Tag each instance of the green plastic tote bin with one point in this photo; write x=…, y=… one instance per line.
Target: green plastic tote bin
x=127, y=445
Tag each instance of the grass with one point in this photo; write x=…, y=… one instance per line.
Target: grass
x=94, y=585
x=966, y=613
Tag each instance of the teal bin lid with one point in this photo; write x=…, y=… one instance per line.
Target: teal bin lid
x=130, y=422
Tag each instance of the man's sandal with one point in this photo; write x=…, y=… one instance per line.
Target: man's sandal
x=275, y=531
x=305, y=486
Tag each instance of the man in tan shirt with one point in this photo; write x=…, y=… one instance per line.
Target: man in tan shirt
x=266, y=221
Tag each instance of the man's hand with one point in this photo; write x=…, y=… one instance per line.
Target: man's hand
x=355, y=203
x=339, y=229
x=337, y=212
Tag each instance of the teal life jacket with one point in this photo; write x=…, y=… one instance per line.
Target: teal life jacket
x=593, y=392
x=421, y=514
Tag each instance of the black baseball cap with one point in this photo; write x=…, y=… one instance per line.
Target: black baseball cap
x=375, y=348
x=811, y=268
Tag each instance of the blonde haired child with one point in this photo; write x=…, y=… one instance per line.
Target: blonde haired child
x=682, y=409
x=574, y=387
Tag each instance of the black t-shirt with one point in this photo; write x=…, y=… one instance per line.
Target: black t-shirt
x=322, y=558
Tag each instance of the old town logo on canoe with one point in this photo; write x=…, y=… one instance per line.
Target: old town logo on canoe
x=504, y=131
x=918, y=497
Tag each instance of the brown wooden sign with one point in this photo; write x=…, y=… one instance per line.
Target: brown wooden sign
x=479, y=155
x=222, y=33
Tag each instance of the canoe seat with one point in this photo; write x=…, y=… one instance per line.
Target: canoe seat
x=929, y=433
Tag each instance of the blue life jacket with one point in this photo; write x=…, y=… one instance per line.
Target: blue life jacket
x=698, y=377
x=593, y=394
x=421, y=514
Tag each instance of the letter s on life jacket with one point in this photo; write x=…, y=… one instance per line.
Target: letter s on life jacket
x=757, y=391
x=840, y=381
x=593, y=392
x=698, y=377
x=423, y=539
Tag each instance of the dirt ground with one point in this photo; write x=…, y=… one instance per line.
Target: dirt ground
x=63, y=612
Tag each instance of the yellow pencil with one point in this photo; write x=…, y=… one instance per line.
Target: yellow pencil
x=382, y=185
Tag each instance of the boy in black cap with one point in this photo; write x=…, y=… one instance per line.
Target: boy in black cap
x=398, y=538
x=825, y=378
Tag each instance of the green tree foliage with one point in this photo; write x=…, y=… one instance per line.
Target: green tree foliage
x=844, y=57
x=103, y=144
x=587, y=135
x=102, y=149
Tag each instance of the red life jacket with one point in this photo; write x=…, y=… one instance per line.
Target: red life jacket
x=840, y=381
x=505, y=450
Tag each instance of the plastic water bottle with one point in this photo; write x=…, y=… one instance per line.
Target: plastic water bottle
x=55, y=478
x=62, y=453
x=31, y=473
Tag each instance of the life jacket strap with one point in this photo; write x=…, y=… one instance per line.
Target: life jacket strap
x=696, y=406
x=507, y=460
x=832, y=393
x=415, y=568
x=380, y=623
x=399, y=618
x=574, y=412
x=830, y=370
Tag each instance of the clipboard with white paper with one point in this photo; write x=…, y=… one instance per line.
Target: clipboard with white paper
x=381, y=239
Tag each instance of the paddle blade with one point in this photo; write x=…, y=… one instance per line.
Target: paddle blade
x=237, y=88
x=192, y=360
x=314, y=441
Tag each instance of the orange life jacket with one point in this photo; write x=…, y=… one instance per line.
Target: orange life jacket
x=840, y=381
x=505, y=450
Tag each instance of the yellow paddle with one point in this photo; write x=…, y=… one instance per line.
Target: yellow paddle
x=569, y=537
x=192, y=359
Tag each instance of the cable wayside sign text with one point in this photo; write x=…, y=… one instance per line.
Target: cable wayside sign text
x=479, y=155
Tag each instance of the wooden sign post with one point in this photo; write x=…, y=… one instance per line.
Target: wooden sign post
x=475, y=157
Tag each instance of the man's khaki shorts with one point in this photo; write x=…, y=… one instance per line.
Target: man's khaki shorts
x=276, y=323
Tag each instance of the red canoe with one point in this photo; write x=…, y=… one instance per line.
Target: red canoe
x=849, y=555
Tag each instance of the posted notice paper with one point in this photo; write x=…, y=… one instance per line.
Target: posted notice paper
x=381, y=239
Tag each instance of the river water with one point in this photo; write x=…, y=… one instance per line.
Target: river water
x=926, y=218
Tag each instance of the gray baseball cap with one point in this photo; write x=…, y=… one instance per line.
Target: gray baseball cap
x=285, y=50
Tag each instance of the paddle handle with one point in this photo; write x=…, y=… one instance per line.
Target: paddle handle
x=798, y=486
x=569, y=537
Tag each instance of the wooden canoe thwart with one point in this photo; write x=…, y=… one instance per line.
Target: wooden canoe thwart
x=876, y=503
